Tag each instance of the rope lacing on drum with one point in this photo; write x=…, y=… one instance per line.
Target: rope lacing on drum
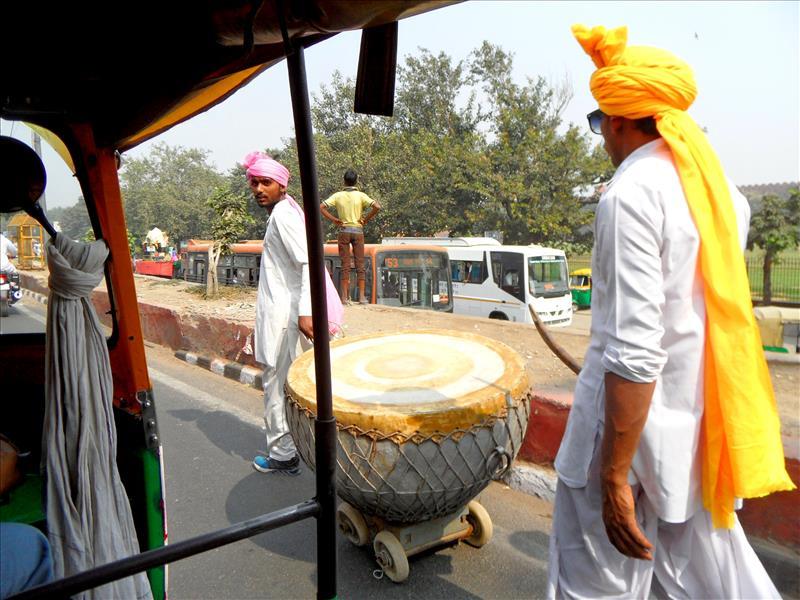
x=445, y=471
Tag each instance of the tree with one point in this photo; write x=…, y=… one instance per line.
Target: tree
x=168, y=189
x=73, y=220
x=229, y=224
x=449, y=162
x=535, y=171
x=774, y=228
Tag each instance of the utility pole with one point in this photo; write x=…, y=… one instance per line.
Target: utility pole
x=37, y=147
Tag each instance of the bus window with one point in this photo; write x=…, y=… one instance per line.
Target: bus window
x=467, y=271
x=506, y=270
x=476, y=272
x=457, y=271
x=548, y=276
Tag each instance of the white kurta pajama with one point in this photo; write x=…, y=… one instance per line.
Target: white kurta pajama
x=283, y=295
x=648, y=324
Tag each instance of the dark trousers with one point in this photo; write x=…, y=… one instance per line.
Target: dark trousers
x=357, y=241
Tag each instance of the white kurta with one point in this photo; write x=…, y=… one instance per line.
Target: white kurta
x=648, y=324
x=284, y=291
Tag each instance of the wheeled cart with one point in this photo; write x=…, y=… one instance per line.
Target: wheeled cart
x=393, y=543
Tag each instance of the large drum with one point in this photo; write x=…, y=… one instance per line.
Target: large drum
x=426, y=419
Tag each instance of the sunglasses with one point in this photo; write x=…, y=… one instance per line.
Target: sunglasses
x=595, y=118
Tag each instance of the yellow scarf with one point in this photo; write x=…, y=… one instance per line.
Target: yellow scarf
x=741, y=443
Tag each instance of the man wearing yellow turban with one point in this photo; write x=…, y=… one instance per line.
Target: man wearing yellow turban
x=673, y=415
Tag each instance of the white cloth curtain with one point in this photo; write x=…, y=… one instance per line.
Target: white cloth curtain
x=88, y=514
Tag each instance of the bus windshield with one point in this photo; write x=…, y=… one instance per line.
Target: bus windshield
x=416, y=278
x=548, y=276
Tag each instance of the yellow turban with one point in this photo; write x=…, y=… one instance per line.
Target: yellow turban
x=741, y=443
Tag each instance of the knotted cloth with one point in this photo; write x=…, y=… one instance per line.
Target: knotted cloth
x=89, y=520
x=258, y=164
x=741, y=445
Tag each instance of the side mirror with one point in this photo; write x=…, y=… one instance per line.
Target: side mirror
x=25, y=180
x=377, y=66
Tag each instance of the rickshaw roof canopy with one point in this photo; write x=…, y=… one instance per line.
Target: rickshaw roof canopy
x=134, y=69
x=586, y=271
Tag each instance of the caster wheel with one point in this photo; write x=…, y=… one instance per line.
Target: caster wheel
x=482, y=528
x=391, y=556
x=352, y=524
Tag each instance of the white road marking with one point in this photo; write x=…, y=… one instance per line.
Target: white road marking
x=209, y=401
x=30, y=313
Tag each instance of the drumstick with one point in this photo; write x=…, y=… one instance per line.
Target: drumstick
x=552, y=344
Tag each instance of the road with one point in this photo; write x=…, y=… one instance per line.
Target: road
x=211, y=428
x=26, y=316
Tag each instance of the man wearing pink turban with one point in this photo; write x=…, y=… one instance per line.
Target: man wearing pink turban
x=632, y=501
x=283, y=308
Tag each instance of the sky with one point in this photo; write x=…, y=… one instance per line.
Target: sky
x=745, y=55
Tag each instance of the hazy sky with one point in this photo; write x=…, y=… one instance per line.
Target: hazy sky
x=746, y=58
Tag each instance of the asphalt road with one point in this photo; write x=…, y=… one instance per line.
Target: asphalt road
x=211, y=428
x=26, y=316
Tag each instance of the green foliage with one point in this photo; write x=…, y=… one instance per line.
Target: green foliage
x=448, y=162
x=168, y=189
x=73, y=220
x=775, y=228
x=231, y=218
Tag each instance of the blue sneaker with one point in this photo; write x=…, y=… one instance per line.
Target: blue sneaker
x=267, y=464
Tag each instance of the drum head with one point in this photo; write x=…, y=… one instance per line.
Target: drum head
x=416, y=382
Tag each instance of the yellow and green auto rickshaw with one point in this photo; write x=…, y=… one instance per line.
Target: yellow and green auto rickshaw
x=580, y=284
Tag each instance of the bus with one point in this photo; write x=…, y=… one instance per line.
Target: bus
x=240, y=267
x=413, y=277
x=500, y=282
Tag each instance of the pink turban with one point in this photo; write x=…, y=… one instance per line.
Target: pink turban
x=259, y=164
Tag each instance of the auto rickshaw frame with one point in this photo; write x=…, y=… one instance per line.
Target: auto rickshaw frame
x=93, y=90
x=581, y=294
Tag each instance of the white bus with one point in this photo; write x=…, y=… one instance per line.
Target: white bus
x=499, y=282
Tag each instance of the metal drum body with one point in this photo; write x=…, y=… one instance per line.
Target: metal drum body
x=426, y=419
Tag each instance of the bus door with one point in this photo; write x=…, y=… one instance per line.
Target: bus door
x=508, y=273
x=415, y=279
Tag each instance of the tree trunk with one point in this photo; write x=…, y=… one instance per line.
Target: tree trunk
x=212, y=282
x=767, y=295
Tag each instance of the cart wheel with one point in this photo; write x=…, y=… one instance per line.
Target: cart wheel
x=575, y=307
x=352, y=524
x=482, y=528
x=391, y=556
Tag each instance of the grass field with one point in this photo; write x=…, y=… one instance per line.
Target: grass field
x=785, y=274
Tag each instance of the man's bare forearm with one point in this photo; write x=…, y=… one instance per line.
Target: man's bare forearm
x=627, y=405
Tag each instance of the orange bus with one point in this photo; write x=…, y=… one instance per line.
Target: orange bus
x=240, y=267
x=410, y=276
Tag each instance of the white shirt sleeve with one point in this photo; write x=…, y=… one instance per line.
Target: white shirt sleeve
x=628, y=240
x=293, y=234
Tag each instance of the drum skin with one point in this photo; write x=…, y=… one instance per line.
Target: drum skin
x=426, y=419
